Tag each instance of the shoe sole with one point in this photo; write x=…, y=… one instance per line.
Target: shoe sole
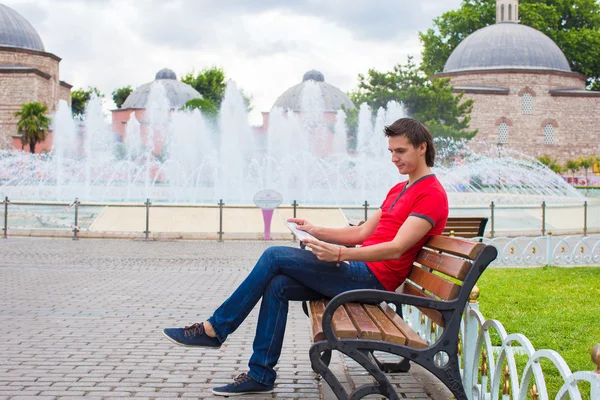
x=227, y=394
x=187, y=345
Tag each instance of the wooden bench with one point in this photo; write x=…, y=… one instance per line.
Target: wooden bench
x=360, y=322
x=466, y=227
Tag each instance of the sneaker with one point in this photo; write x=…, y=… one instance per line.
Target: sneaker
x=241, y=385
x=191, y=336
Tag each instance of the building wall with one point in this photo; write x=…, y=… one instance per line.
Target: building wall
x=18, y=88
x=576, y=120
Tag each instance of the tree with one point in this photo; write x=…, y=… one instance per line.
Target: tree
x=586, y=163
x=33, y=123
x=573, y=24
x=121, y=94
x=211, y=84
x=445, y=113
x=205, y=106
x=573, y=166
x=80, y=97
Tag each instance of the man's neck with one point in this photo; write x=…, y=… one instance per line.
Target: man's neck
x=418, y=174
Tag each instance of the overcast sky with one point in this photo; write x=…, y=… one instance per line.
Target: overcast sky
x=265, y=46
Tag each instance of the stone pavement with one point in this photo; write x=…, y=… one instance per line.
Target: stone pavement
x=84, y=318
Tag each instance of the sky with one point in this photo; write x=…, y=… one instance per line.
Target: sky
x=264, y=46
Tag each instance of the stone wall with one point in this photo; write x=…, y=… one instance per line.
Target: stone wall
x=575, y=120
x=17, y=88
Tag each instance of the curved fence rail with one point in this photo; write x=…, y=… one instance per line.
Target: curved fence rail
x=545, y=250
x=498, y=365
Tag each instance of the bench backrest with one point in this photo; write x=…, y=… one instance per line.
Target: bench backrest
x=440, y=271
x=466, y=227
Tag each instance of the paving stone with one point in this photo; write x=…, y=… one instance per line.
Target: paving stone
x=92, y=326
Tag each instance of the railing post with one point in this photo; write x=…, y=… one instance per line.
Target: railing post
x=549, y=249
x=147, y=231
x=5, y=229
x=469, y=342
x=221, y=204
x=492, y=218
x=294, y=205
x=544, y=218
x=366, y=210
x=75, y=226
x=585, y=210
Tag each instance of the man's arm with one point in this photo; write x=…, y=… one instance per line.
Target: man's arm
x=413, y=230
x=347, y=236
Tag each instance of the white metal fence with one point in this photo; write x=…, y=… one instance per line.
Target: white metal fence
x=498, y=365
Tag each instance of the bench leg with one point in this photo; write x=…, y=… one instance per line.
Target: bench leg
x=320, y=356
x=368, y=362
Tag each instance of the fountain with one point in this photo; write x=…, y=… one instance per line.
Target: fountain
x=181, y=157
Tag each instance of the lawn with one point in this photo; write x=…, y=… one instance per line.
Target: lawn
x=556, y=308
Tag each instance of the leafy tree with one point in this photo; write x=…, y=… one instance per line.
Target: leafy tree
x=80, y=97
x=573, y=166
x=573, y=24
x=205, y=106
x=120, y=95
x=433, y=103
x=33, y=123
x=211, y=83
x=586, y=163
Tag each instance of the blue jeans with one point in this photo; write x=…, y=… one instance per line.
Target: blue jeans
x=280, y=275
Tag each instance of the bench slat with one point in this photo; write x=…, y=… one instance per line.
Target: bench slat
x=433, y=283
x=412, y=339
x=451, y=266
x=316, y=308
x=342, y=324
x=390, y=332
x=366, y=328
x=434, y=315
x=457, y=247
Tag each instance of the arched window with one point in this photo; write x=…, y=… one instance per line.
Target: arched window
x=527, y=103
x=502, y=13
x=503, y=133
x=510, y=12
x=549, y=134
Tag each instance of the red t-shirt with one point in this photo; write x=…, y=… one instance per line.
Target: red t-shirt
x=424, y=198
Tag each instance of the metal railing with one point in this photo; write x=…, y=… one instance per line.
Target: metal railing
x=488, y=360
x=364, y=210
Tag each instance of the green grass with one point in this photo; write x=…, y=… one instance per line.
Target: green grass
x=556, y=308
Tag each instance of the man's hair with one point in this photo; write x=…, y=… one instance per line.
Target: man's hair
x=416, y=133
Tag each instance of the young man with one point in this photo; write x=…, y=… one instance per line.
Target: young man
x=390, y=240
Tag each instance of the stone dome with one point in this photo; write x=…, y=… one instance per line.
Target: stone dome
x=507, y=45
x=178, y=93
x=165, y=73
x=16, y=31
x=333, y=98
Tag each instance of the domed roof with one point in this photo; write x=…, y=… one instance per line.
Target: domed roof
x=507, y=45
x=178, y=93
x=165, y=73
x=332, y=97
x=16, y=31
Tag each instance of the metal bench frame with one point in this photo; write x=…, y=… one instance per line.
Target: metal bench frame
x=361, y=350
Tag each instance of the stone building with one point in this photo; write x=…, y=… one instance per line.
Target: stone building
x=27, y=73
x=176, y=92
x=525, y=95
x=316, y=102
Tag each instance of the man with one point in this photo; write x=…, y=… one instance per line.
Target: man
x=390, y=239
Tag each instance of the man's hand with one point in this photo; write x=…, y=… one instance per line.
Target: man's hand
x=324, y=251
x=303, y=225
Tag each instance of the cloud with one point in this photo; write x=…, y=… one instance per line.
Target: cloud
x=264, y=45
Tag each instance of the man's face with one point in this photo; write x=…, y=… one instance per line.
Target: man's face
x=405, y=156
